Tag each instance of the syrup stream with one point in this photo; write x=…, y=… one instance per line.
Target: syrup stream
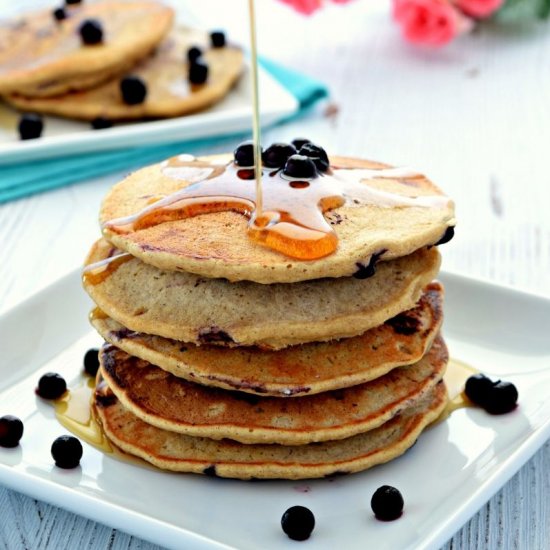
x=256, y=131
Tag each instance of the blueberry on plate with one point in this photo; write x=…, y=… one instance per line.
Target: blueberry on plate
x=11, y=431
x=51, y=386
x=387, y=503
x=298, y=522
x=277, y=154
x=198, y=72
x=67, y=452
x=91, y=361
x=59, y=14
x=30, y=126
x=477, y=388
x=300, y=166
x=217, y=39
x=133, y=90
x=502, y=398
x=193, y=54
x=91, y=32
x=101, y=123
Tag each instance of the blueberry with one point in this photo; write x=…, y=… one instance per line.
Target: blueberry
x=193, y=54
x=447, y=236
x=133, y=90
x=387, y=503
x=91, y=361
x=59, y=14
x=502, y=398
x=244, y=154
x=198, y=72
x=298, y=522
x=300, y=166
x=100, y=123
x=11, y=431
x=317, y=154
x=67, y=451
x=51, y=386
x=277, y=154
x=299, y=142
x=30, y=126
x=477, y=388
x=217, y=39
x=91, y=31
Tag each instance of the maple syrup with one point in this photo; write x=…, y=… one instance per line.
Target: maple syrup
x=455, y=379
x=291, y=221
x=74, y=411
x=97, y=272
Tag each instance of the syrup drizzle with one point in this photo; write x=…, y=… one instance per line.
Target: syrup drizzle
x=256, y=129
x=455, y=379
x=96, y=273
x=291, y=221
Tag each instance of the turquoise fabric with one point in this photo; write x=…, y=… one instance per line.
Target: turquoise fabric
x=19, y=180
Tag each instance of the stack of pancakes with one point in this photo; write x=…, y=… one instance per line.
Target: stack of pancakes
x=225, y=357
x=46, y=67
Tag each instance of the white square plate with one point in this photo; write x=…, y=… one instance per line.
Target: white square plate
x=455, y=467
x=65, y=137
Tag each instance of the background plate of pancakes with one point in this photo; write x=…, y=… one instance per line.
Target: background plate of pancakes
x=230, y=113
x=452, y=470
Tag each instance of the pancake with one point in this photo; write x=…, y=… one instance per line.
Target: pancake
x=296, y=370
x=227, y=458
x=188, y=308
x=41, y=57
x=165, y=75
x=395, y=217
x=176, y=405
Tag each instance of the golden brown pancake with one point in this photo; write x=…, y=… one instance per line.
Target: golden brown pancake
x=165, y=74
x=227, y=458
x=41, y=57
x=386, y=226
x=176, y=405
x=186, y=307
x=293, y=371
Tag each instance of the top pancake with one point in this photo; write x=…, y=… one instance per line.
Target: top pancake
x=40, y=56
x=217, y=244
x=165, y=74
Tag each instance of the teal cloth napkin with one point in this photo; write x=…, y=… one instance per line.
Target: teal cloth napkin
x=20, y=180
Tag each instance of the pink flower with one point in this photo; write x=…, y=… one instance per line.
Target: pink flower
x=307, y=7
x=479, y=8
x=432, y=22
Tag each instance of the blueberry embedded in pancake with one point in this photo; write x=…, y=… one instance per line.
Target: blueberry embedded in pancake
x=294, y=371
x=200, y=411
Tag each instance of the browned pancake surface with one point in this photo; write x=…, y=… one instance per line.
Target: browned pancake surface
x=296, y=370
x=165, y=74
x=226, y=458
x=217, y=244
x=40, y=56
x=190, y=308
x=174, y=404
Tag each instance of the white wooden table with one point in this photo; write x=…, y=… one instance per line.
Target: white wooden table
x=475, y=116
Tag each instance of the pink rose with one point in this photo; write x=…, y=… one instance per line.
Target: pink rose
x=432, y=22
x=479, y=8
x=307, y=7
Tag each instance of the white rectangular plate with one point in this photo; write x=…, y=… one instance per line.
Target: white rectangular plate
x=65, y=137
x=454, y=468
